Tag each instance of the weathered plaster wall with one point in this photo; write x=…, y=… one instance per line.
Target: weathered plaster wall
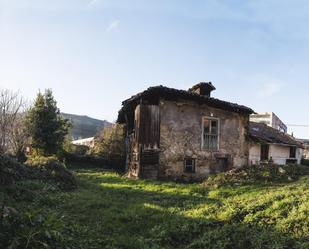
x=299, y=155
x=254, y=153
x=181, y=137
x=279, y=153
x=306, y=152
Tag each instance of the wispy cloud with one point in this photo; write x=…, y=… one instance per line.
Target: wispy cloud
x=269, y=89
x=93, y=2
x=113, y=26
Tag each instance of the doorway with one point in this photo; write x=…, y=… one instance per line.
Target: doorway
x=264, y=152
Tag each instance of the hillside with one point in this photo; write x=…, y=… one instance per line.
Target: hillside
x=84, y=126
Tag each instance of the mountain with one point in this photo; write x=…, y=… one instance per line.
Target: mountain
x=84, y=126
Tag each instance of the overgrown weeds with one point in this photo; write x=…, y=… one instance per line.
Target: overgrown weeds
x=11, y=170
x=39, y=168
x=263, y=211
x=257, y=174
x=30, y=229
x=51, y=168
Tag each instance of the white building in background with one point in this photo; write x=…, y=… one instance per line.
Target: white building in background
x=306, y=148
x=306, y=152
x=270, y=144
x=270, y=119
x=86, y=142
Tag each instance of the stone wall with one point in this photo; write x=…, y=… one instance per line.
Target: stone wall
x=255, y=153
x=181, y=137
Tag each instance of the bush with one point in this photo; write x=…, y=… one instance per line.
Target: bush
x=75, y=149
x=257, y=173
x=80, y=149
x=111, y=146
x=305, y=162
x=40, y=168
x=51, y=168
x=11, y=170
x=116, y=163
x=29, y=230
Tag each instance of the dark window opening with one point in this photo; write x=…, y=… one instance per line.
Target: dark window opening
x=264, y=152
x=190, y=165
x=292, y=152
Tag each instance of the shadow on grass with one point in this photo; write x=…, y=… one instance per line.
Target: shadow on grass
x=123, y=213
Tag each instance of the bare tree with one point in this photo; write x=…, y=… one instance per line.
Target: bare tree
x=12, y=106
x=19, y=136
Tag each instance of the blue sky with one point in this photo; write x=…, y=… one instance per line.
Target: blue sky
x=96, y=53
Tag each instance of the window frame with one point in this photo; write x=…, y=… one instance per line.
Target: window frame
x=193, y=165
x=218, y=133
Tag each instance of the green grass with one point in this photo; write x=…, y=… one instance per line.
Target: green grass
x=110, y=211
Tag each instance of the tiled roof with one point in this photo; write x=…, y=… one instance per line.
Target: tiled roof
x=262, y=133
x=175, y=94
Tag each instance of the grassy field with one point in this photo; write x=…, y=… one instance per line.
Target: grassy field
x=109, y=211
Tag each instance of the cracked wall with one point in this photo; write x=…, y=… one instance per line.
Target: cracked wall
x=181, y=137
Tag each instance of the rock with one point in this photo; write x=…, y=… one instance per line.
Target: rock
x=281, y=170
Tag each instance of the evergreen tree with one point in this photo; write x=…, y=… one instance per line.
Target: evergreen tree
x=46, y=126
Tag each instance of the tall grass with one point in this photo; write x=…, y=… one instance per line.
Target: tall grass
x=110, y=211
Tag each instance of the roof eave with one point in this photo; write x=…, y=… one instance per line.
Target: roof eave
x=165, y=92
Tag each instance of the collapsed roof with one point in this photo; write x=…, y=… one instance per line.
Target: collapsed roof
x=262, y=133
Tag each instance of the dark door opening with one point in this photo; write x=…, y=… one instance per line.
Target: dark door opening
x=292, y=152
x=264, y=152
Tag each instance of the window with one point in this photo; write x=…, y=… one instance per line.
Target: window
x=292, y=152
x=190, y=165
x=211, y=134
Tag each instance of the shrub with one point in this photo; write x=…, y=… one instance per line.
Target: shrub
x=11, y=170
x=75, y=149
x=29, y=230
x=305, y=162
x=116, y=163
x=110, y=145
x=41, y=168
x=51, y=168
x=80, y=149
x=257, y=173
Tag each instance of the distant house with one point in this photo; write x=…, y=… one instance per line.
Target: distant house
x=267, y=143
x=270, y=119
x=183, y=134
x=86, y=142
x=306, y=148
x=306, y=152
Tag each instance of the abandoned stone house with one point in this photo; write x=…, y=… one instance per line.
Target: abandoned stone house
x=270, y=144
x=182, y=134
